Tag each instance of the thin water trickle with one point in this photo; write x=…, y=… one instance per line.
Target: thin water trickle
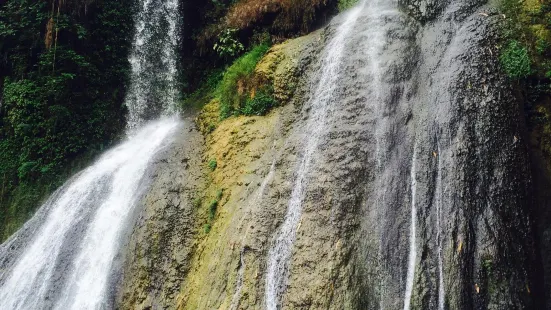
x=413, y=231
x=322, y=95
x=241, y=271
x=441, y=289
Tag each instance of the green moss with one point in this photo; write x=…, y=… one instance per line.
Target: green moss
x=211, y=128
x=212, y=210
x=213, y=207
x=213, y=164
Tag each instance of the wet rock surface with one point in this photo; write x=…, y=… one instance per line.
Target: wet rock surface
x=422, y=134
x=158, y=254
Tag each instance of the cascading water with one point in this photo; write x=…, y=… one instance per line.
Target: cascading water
x=66, y=256
x=153, y=89
x=320, y=104
x=87, y=215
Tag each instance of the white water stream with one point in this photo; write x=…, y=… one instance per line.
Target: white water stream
x=280, y=252
x=100, y=200
x=153, y=88
x=441, y=289
x=412, y=258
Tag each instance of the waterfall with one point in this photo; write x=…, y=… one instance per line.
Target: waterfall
x=153, y=88
x=322, y=95
x=87, y=216
x=67, y=256
x=413, y=231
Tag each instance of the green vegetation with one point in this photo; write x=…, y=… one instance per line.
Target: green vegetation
x=211, y=128
x=515, y=60
x=63, y=73
x=235, y=88
x=346, y=4
x=228, y=45
x=527, y=39
x=261, y=103
x=212, y=164
x=212, y=209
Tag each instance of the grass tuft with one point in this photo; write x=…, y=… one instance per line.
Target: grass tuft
x=233, y=89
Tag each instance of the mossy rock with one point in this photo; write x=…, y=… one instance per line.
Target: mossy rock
x=209, y=117
x=283, y=65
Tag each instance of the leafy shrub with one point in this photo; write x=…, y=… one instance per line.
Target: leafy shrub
x=228, y=46
x=542, y=46
x=515, y=60
x=232, y=90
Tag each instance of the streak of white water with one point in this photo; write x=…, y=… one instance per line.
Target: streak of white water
x=153, y=61
x=241, y=272
x=413, y=231
x=280, y=252
x=119, y=172
x=441, y=289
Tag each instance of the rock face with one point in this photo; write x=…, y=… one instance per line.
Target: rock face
x=408, y=176
x=161, y=243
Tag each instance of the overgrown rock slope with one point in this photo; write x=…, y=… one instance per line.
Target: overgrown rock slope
x=420, y=181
